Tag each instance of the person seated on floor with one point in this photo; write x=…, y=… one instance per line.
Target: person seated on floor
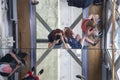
x=11, y=63
x=56, y=39
x=89, y=26
x=31, y=75
x=75, y=41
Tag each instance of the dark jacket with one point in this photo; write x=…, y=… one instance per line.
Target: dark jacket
x=79, y=3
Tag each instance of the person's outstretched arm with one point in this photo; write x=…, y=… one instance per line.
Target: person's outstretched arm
x=14, y=70
x=14, y=56
x=62, y=39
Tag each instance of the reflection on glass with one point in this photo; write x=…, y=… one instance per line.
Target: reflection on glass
x=58, y=64
x=118, y=73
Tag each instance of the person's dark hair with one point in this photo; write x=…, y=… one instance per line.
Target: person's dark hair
x=22, y=54
x=56, y=31
x=68, y=33
x=33, y=68
x=23, y=61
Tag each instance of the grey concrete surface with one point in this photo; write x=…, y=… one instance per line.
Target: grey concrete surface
x=68, y=67
x=3, y=78
x=68, y=15
x=49, y=64
x=48, y=10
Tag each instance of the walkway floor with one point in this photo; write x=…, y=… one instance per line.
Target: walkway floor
x=3, y=78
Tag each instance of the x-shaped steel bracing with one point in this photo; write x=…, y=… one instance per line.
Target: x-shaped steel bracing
x=49, y=50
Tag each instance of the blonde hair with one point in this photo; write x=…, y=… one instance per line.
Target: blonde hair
x=90, y=23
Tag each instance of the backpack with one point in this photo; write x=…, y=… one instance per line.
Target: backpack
x=79, y=3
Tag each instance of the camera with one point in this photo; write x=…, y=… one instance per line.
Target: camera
x=57, y=37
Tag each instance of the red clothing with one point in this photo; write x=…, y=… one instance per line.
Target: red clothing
x=83, y=26
x=30, y=74
x=35, y=77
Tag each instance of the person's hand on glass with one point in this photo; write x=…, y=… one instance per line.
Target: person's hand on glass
x=61, y=37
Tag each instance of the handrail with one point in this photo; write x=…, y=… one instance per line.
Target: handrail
x=113, y=29
x=116, y=12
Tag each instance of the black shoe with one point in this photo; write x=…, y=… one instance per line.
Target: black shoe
x=97, y=2
x=80, y=77
x=85, y=47
x=33, y=68
x=41, y=71
x=95, y=43
x=100, y=34
x=35, y=2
